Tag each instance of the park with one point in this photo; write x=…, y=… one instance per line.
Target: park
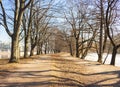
x=59, y=43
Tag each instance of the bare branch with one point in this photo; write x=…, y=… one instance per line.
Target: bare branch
x=5, y=20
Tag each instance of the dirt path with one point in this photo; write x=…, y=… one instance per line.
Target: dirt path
x=58, y=70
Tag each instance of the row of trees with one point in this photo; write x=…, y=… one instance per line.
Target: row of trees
x=19, y=8
x=93, y=25
x=30, y=22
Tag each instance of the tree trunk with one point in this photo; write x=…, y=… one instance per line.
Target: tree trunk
x=70, y=47
x=39, y=48
x=101, y=33
x=32, y=50
x=14, y=50
x=45, y=51
x=113, y=55
x=100, y=58
x=26, y=48
x=77, y=48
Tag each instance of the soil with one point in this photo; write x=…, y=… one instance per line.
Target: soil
x=57, y=70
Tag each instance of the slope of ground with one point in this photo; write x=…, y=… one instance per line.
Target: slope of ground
x=58, y=70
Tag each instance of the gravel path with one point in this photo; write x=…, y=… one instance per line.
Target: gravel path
x=58, y=70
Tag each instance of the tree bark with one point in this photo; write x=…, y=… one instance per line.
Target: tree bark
x=32, y=50
x=14, y=50
x=71, y=51
x=39, y=48
x=113, y=55
x=26, y=48
x=100, y=58
x=77, y=48
x=101, y=34
x=45, y=48
x=27, y=32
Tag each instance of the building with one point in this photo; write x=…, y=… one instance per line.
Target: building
x=4, y=46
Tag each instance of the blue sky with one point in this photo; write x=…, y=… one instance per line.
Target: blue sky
x=3, y=35
x=8, y=5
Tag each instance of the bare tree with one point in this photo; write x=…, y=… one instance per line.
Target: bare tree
x=75, y=20
x=111, y=19
x=27, y=21
x=100, y=18
x=39, y=24
x=43, y=35
x=19, y=8
x=78, y=17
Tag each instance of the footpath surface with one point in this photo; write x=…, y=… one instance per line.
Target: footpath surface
x=58, y=70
